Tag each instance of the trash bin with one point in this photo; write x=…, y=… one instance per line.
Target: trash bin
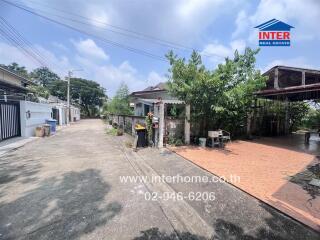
x=202, y=142
x=53, y=125
x=46, y=129
x=142, y=138
x=141, y=135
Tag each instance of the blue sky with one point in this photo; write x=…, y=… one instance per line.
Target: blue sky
x=214, y=27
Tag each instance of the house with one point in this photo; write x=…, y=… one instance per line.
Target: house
x=60, y=110
x=12, y=86
x=162, y=104
x=19, y=117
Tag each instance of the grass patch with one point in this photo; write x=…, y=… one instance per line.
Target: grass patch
x=112, y=131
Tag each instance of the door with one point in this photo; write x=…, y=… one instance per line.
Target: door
x=55, y=115
x=9, y=120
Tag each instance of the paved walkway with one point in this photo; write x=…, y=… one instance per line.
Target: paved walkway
x=276, y=174
x=14, y=143
x=68, y=187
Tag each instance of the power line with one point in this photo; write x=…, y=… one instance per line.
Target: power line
x=18, y=37
x=137, y=34
x=125, y=32
x=105, y=40
x=29, y=44
x=12, y=40
x=30, y=50
x=133, y=34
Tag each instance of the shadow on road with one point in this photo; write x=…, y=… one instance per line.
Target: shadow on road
x=156, y=234
x=64, y=207
x=278, y=228
x=14, y=168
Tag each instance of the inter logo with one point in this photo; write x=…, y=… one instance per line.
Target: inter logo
x=274, y=33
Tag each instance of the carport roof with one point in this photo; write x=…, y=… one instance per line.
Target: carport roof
x=171, y=101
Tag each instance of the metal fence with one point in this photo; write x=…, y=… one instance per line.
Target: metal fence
x=127, y=122
x=9, y=120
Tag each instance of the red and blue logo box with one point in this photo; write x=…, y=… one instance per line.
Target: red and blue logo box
x=274, y=33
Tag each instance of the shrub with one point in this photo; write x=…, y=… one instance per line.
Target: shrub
x=175, y=141
x=178, y=142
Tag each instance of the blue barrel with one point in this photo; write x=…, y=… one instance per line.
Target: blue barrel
x=53, y=125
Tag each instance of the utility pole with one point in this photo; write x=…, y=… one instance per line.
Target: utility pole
x=68, y=93
x=68, y=96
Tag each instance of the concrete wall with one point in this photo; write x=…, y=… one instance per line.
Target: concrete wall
x=63, y=114
x=32, y=115
x=75, y=114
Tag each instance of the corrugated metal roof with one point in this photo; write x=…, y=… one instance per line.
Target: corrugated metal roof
x=172, y=101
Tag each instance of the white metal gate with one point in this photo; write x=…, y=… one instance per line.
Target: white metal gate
x=9, y=120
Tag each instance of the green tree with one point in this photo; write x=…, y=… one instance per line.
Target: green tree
x=44, y=76
x=86, y=93
x=120, y=103
x=312, y=119
x=16, y=68
x=59, y=89
x=221, y=98
x=39, y=91
x=239, y=80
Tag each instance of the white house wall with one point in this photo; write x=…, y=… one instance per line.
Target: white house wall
x=32, y=115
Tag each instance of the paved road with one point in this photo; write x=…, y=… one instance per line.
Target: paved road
x=67, y=187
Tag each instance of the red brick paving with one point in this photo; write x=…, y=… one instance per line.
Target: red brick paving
x=263, y=171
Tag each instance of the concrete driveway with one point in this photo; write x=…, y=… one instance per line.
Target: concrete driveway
x=68, y=187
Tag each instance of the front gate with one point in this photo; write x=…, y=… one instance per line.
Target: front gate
x=9, y=120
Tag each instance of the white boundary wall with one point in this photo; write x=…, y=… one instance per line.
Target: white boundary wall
x=32, y=115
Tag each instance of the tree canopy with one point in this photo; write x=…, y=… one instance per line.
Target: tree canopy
x=120, y=104
x=44, y=76
x=88, y=94
x=219, y=98
x=16, y=68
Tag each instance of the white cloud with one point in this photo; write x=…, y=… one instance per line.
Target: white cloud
x=108, y=75
x=182, y=21
x=299, y=62
x=241, y=24
x=89, y=48
x=10, y=54
x=59, y=46
x=218, y=52
x=154, y=78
